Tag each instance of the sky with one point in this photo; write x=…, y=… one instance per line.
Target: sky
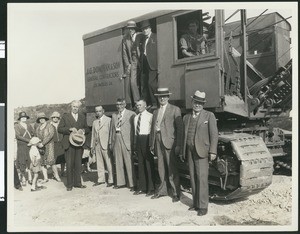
x=45, y=46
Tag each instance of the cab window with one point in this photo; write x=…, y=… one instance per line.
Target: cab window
x=260, y=42
x=195, y=34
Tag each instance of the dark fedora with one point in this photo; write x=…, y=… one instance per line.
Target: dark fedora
x=41, y=115
x=162, y=92
x=199, y=96
x=131, y=24
x=23, y=114
x=145, y=24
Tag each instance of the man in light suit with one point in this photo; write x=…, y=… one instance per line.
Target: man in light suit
x=130, y=57
x=199, y=146
x=99, y=146
x=120, y=142
x=165, y=140
x=149, y=80
x=73, y=122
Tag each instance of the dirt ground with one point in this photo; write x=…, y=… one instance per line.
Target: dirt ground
x=101, y=206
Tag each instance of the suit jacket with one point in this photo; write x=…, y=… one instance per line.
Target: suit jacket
x=171, y=127
x=151, y=50
x=127, y=131
x=130, y=49
x=67, y=121
x=100, y=133
x=206, y=135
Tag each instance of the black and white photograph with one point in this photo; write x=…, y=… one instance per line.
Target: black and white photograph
x=152, y=117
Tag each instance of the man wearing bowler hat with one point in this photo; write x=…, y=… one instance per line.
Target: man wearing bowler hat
x=130, y=59
x=165, y=141
x=149, y=79
x=199, y=146
x=73, y=126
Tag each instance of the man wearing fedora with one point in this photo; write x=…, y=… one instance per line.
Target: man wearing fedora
x=130, y=60
x=165, y=140
x=73, y=126
x=120, y=142
x=199, y=146
x=99, y=146
x=149, y=80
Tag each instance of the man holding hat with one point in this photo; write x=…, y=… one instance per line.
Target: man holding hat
x=199, y=146
x=73, y=126
x=165, y=140
x=149, y=80
x=130, y=60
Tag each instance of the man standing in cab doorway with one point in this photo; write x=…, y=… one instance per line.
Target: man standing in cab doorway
x=149, y=81
x=199, y=146
x=121, y=143
x=99, y=146
x=130, y=59
x=165, y=141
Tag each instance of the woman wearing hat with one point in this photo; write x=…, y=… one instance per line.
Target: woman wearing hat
x=24, y=132
x=59, y=151
x=45, y=131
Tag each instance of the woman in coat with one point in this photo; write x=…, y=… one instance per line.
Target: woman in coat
x=45, y=131
x=24, y=132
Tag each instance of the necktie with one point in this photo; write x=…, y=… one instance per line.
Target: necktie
x=138, y=125
x=119, y=120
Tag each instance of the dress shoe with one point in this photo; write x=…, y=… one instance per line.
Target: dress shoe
x=156, y=196
x=41, y=187
x=45, y=181
x=150, y=193
x=80, y=186
x=98, y=183
x=131, y=189
x=119, y=186
x=69, y=189
x=36, y=189
x=138, y=192
x=109, y=184
x=192, y=208
x=202, y=212
x=175, y=199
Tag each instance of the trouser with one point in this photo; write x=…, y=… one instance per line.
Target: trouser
x=146, y=164
x=102, y=158
x=122, y=157
x=149, y=83
x=73, y=157
x=135, y=94
x=167, y=170
x=198, y=168
x=17, y=183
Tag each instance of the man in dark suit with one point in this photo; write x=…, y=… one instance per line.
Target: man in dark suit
x=199, y=145
x=73, y=122
x=121, y=143
x=130, y=60
x=149, y=81
x=165, y=140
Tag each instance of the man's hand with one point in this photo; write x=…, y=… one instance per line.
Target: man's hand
x=40, y=145
x=81, y=131
x=181, y=158
x=152, y=150
x=212, y=157
x=128, y=69
x=177, y=150
x=93, y=151
x=110, y=147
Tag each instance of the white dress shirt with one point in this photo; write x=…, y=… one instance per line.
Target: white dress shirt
x=145, y=124
x=146, y=42
x=75, y=116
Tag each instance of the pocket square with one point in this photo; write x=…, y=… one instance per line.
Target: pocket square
x=205, y=122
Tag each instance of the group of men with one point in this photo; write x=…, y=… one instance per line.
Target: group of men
x=163, y=133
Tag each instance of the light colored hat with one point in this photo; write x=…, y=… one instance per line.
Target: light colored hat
x=131, y=24
x=199, y=96
x=162, y=92
x=55, y=114
x=77, y=138
x=41, y=115
x=23, y=114
x=34, y=141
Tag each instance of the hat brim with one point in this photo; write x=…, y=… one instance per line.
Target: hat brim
x=76, y=144
x=23, y=117
x=162, y=94
x=198, y=100
x=38, y=119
